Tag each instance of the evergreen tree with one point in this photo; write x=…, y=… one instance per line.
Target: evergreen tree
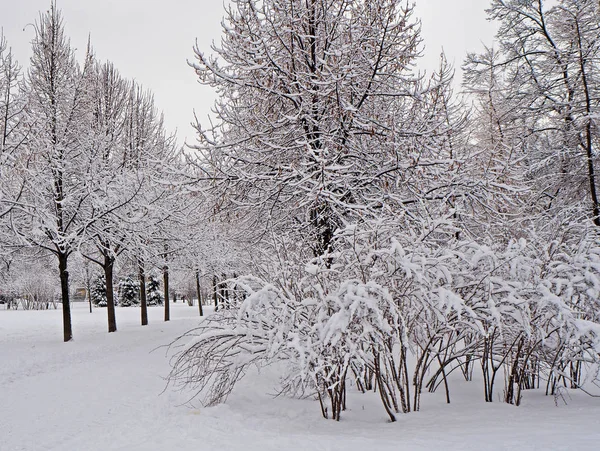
x=98, y=292
x=154, y=295
x=128, y=292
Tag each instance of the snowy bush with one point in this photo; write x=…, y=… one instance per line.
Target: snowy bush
x=523, y=312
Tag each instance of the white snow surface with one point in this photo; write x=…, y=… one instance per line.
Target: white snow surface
x=105, y=392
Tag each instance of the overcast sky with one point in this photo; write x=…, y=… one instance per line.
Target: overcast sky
x=150, y=40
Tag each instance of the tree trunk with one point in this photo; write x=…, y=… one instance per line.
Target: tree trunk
x=166, y=289
x=88, y=284
x=592, y=176
x=109, y=263
x=198, y=293
x=215, y=296
x=588, y=131
x=143, y=301
x=223, y=292
x=64, y=290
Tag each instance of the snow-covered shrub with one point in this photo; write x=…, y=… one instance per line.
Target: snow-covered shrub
x=223, y=347
x=322, y=336
x=523, y=311
x=341, y=333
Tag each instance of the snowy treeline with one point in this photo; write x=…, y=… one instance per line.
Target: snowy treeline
x=400, y=232
x=91, y=183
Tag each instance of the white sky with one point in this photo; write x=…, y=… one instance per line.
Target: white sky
x=150, y=40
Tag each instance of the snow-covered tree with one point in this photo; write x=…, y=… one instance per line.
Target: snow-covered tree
x=153, y=291
x=545, y=80
x=130, y=148
x=86, y=164
x=128, y=292
x=52, y=213
x=98, y=292
x=11, y=105
x=321, y=120
x=107, y=185
x=497, y=139
x=11, y=140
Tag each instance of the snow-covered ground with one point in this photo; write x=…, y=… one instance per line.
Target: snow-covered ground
x=104, y=392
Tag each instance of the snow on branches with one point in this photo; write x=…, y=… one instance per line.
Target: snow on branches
x=525, y=311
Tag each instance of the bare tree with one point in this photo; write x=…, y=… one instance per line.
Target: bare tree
x=546, y=69
x=51, y=213
x=321, y=120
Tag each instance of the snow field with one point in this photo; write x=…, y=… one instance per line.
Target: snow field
x=105, y=392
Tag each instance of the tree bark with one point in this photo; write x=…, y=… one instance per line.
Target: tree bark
x=64, y=289
x=88, y=285
x=223, y=292
x=198, y=293
x=109, y=263
x=215, y=296
x=588, y=134
x=143, y=301
x=166, y=289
